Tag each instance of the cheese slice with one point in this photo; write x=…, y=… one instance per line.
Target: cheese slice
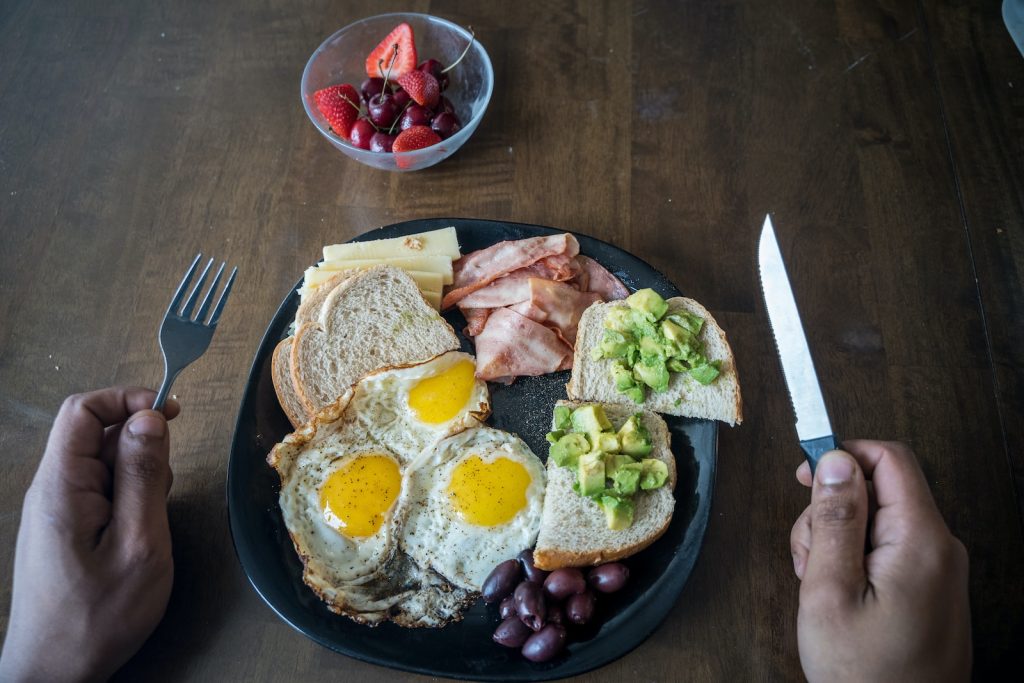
x=443, y=242
x=429, y=263
x=433, y=282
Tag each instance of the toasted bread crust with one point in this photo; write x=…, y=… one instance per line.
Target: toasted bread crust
x=281, y=373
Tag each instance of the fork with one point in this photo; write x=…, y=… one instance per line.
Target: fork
x=184, y=338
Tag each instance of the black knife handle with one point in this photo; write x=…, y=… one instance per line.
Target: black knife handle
x=815, y=448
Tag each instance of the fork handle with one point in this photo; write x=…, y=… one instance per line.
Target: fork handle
x=165, y=388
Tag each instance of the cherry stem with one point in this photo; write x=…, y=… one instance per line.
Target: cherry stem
x=354, y=105
x=380, y=64
x=398, y=118
x=472, y=37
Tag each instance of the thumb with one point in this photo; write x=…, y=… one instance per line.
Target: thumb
x=839, y=520
x=142, y=476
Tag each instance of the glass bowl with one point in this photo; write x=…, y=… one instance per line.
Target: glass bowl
x=342, y=58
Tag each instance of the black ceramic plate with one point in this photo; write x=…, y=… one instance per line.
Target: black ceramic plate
x=465, y=649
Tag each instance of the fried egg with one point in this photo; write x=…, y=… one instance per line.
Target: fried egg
x=473, y=500
x=407, y=409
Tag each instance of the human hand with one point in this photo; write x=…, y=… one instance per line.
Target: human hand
x=897, y=611
x=93, y=568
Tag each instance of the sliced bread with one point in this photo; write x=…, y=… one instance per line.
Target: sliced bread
x=721, y=400
x=374, y=319
x=573, y=529
x=281, y=371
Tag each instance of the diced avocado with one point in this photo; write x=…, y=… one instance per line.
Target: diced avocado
x=654, y=475
x=635, y=393
x=567, y=449
x=649, y=302
x=688, y=321
x=626, y=478
x=651, y=348
x=652, y=372
x=676, y=365
x=706, y=374
x=606, y=442
x=561, y=416
x=590, y=418
x=617, y=344
x=590, y=472
x=554, y=436
x=619, y=319
x=613, y=461
x=618, y=513
x=622, y=376
x=675, y=332
x=634, y=439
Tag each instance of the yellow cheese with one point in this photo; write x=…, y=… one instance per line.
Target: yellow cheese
x=433, y=298
x=441, y=242
x=425, y=281
x=430, y=263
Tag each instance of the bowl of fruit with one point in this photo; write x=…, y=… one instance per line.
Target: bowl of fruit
x=399, y=92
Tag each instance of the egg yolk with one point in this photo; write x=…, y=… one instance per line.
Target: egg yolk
x=488, y=493
x=439, y=398
x=355, y=498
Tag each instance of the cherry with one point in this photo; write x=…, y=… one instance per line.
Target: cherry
x=382, y=110
x=444, y=104
x=435, y=69
x=414, y=115
x=446, y=124
x=401, y=98
x=371, y=87
x=362, y=131
x=381, y=142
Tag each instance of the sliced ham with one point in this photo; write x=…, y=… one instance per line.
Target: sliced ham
x=504, y=291
x=480, y=268
x=556, y=305
x=512, y=345
x=601, y=281
x=475, y=320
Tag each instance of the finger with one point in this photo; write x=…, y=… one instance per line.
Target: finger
x=894, y=472
x=142, y=477
x=839, y=518
x=78, y=428
x=800, y=542
x=803, y=474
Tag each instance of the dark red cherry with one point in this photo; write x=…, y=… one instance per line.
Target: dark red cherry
x=361, y=133
x=381, y=142
x=371, y=87
x=382, y=110
x=446, y=124
x=435, y=68
x=414, y=115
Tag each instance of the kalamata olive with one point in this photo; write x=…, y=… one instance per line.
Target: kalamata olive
x=556, y=614
x=545, y=644
x=532, y=573
x=501, y=581
x=511, y=633
x=562, y=583
x=579, y=608
x=610, y=577
x=507, y=608
x=529, y=600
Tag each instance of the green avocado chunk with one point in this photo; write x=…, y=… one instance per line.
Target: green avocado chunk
x=590, y=418
x=622, y=376
x=652, y=372
x=654, y=475
x=567, y=449
x=606, y=442
x=590, y=473
x=634, y=439
x=706, y=374
x=626, y=478
x=618, y=512
x=648, y=302
x=562, y=420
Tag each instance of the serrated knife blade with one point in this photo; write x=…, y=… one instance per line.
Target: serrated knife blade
x=813, y=428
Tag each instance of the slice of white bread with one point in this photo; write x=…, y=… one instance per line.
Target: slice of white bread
x=573, y=529
x=721, y=400
x=374, y=319
x=281, y=372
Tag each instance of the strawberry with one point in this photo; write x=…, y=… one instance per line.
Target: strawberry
x=415, y=137
x=339, y=104
x=382, y=56
x=422, y=87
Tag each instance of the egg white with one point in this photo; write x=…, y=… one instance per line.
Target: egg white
x=433, y=533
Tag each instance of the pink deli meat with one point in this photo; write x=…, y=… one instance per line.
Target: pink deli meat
x=480, y=268
x=556, y=305
x=511, y=345
x=600, y=280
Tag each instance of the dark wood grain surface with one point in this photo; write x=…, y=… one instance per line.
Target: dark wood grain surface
x=887, y=139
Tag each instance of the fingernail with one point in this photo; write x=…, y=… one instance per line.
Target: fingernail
x=834, y=469
x=147, y=427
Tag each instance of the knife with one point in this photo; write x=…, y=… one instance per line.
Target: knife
x=813, y=427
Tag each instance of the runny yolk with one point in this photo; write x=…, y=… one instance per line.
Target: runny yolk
x=356, y=496
x=488, y=493
x=439, y=398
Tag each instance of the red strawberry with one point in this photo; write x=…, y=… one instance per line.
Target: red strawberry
x=422, y=87
x=339, y=104
x=415, y=137
x=382, y=56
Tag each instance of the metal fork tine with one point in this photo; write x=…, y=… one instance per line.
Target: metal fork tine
x=186, y=312
x=204, y=307
x=176, y=300
x=223, y=299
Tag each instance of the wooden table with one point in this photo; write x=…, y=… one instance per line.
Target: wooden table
x=886, y=138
